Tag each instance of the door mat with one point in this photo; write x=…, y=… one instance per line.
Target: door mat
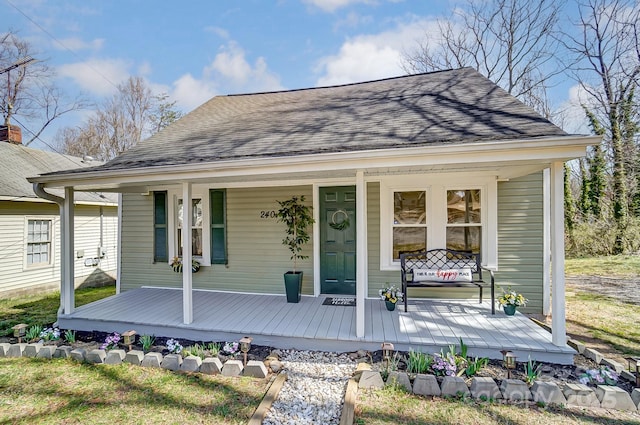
x=342, y=301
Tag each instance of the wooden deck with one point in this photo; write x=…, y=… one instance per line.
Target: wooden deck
x=428, y=326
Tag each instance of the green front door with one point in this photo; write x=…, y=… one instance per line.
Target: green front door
x=338, y=240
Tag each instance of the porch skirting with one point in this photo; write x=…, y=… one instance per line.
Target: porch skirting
x=428, y=325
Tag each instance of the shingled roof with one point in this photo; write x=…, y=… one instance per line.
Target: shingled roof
x=456, y=106
x=18, y=162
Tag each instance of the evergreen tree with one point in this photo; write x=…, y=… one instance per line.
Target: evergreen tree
x=584, y=202
x=569, y=204
x=597, y=170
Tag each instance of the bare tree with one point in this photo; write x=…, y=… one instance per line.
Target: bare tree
x=508, y=41
x=29, y=94
x=606, y=63
x=131, y=115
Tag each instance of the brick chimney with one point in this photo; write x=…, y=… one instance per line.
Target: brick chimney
x=11, y=134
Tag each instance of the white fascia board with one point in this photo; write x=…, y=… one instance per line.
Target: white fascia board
x=550, y=149
x=40, y=200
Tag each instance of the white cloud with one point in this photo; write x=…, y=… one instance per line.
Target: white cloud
x=369, y=57
x=220, y=32
x=97, y=76
x=190, y=92
x=229, y=72
x=332, y=5
x=75, y=44
x=572, y=116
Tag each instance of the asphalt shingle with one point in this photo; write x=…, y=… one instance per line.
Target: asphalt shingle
x=439, y=108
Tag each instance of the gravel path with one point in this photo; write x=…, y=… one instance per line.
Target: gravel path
x=314, y=390
x=613, y=287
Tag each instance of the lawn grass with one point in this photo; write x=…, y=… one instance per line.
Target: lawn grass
x=395, y=406
x=623, y=266
x=603, y=318
x=41, y=309
x=61, y=391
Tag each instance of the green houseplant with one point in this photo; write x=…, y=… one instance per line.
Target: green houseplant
x=297, y=217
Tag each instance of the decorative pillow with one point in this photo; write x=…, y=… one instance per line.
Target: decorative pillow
x=442, y=275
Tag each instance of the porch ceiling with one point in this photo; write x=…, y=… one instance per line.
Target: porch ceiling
x=429, y=325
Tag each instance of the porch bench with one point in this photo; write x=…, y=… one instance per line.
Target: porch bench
x=437, y=268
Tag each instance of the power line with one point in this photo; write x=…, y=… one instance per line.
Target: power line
x=62, y=44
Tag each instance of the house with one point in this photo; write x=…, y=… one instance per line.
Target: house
x=30, y=226
x=402, y=160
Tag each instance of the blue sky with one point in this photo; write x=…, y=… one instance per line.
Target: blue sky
x=194, y=50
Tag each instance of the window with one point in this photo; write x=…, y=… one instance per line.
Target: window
x=464, y=220
x=436, y=211
x=38, y=242
x=196, y=227
x=208, y=227
x=160, y=243
x=409, y=222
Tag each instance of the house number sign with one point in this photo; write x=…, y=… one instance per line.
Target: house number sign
x=268, y=214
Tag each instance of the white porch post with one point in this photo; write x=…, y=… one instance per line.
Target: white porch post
x=187, y=282
x=361, y=249
x=546, y=243
x=67, y=252
x=558, y=323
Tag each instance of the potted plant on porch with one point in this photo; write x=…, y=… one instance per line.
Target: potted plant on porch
x=510, y=300
x=297, y=217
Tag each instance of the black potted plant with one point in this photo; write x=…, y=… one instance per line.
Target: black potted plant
x=297, y=217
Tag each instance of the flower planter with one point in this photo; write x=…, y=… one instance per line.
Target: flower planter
x=509, y=310
x=293, y=286
x=390, y=306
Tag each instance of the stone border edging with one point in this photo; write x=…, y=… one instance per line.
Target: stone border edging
x=511, y=390
x=592, y=354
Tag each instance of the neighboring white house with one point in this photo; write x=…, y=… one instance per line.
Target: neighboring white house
x=30, y=226
x=440, y=160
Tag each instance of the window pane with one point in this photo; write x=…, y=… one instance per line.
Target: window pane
x=196, y=247
x=463, y=206
x=180, y=214
x=197, y=212
x=409, y=208
x=464, y=238
x=38, y=241
x=196, y=243
x=408, y=239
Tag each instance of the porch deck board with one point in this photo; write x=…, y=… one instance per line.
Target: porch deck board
x=312, y=326
x=428, y=325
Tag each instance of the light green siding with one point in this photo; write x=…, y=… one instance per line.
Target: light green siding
x=257, y=258
x=377, y=278
x=17, y=278
x=520, y=238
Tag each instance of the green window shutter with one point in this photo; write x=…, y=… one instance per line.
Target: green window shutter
x=218, y=226
x=160, y=240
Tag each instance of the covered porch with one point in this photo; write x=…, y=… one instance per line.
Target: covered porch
x=429, y=325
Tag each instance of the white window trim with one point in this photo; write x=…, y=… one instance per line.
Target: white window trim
x=172, y=205
x=436, y=186
x=51, y=263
